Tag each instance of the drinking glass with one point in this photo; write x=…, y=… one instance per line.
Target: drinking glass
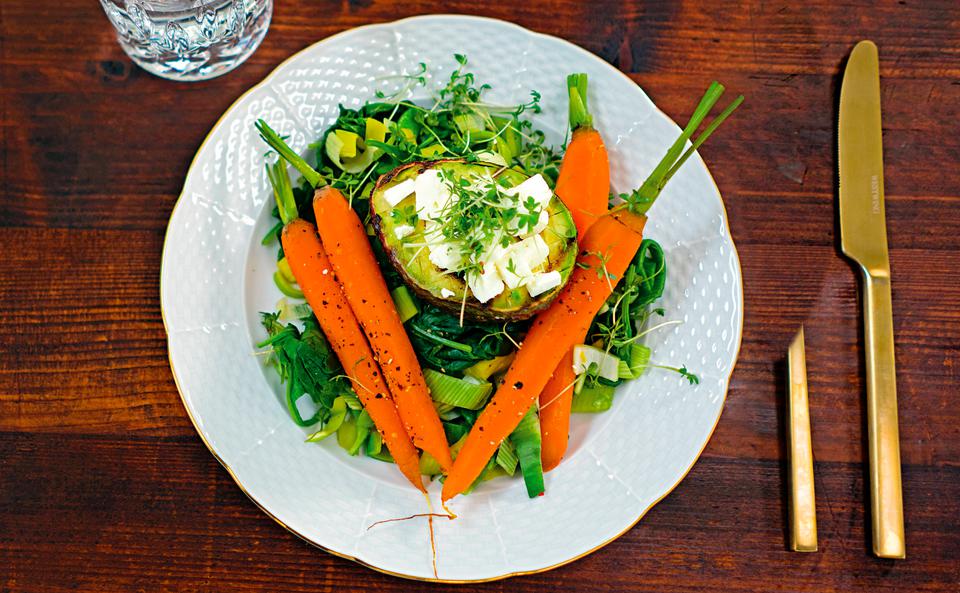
x=189, y=39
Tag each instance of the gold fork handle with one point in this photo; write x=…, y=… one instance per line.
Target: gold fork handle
x=886, y=495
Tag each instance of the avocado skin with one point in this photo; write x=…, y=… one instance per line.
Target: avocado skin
x=426, y=280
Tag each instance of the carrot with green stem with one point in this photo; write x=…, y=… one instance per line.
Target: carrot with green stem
x=584, y=187
x=313, y=272
x=584, y=181
x=607, y=249
x=345, y=241
x=311, y=268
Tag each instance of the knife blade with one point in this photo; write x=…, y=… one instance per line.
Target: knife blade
x=863, y=238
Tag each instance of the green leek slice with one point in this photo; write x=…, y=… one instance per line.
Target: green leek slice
x=348, y=147
x=525, y=439
x=287, y=311
x=338, y=413
x=347, y=433
x=285, y=287
x=354, y=437
x=639, y=359
x=587, y=357
x=335, y=146
x=403, y=300
x=374, y=444
x=594, y=397
x=375, y=130
x=384, y=455
x=432, y=151
x=457, y=392
x=443, y=408
x=284, y=266
x=507, y=457
x=469, y=122
x=508, y=143
x=353, y=402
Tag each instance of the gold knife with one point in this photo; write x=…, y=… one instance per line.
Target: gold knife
x=863, y=238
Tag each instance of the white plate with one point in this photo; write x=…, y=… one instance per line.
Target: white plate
x=216, y=277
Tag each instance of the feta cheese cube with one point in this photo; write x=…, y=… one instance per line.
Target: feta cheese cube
x=396, y=194
x=535, y=250
x=445, y=256
x=432, y=194
x=402, y=230
x=534, y=187
x=512, y=268
x=517, y=262
x=541, y=283
x=442, y=253
x=485, y=286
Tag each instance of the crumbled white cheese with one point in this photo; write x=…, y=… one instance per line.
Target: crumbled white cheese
x=446, y=293
x=510, y=270
x=534, y=187
x=445, y=256
x=533, y=250
x=486, y=285
x=517, y=262
x=396, y=194
x=402, y=230
x=432, y=194
x=541, y=283
x=501, y=267
x=442, y=253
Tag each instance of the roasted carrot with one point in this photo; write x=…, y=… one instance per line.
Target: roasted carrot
x=346, y=243
x=606, y=250
x=584, y=181
x=555, y=401
x=314, y=274
x=584, y=188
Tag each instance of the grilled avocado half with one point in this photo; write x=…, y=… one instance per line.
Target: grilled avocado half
x=445, y=289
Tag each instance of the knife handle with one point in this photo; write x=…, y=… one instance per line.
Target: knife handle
x=886, y=496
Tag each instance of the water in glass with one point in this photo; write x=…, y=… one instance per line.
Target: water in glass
x=189, y=39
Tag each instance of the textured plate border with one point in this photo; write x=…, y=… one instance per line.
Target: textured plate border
x=586, y=54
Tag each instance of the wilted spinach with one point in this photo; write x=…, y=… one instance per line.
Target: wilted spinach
x=306, y=364
x=442, y=343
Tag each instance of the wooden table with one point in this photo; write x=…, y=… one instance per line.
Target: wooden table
x=105, y=486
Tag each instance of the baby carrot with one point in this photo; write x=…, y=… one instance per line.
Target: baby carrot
x=346, y=243
x=584, y=181
x=314, y=274
x=584, y=187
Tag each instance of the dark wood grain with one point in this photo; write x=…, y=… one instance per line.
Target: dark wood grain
x=104, y=485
